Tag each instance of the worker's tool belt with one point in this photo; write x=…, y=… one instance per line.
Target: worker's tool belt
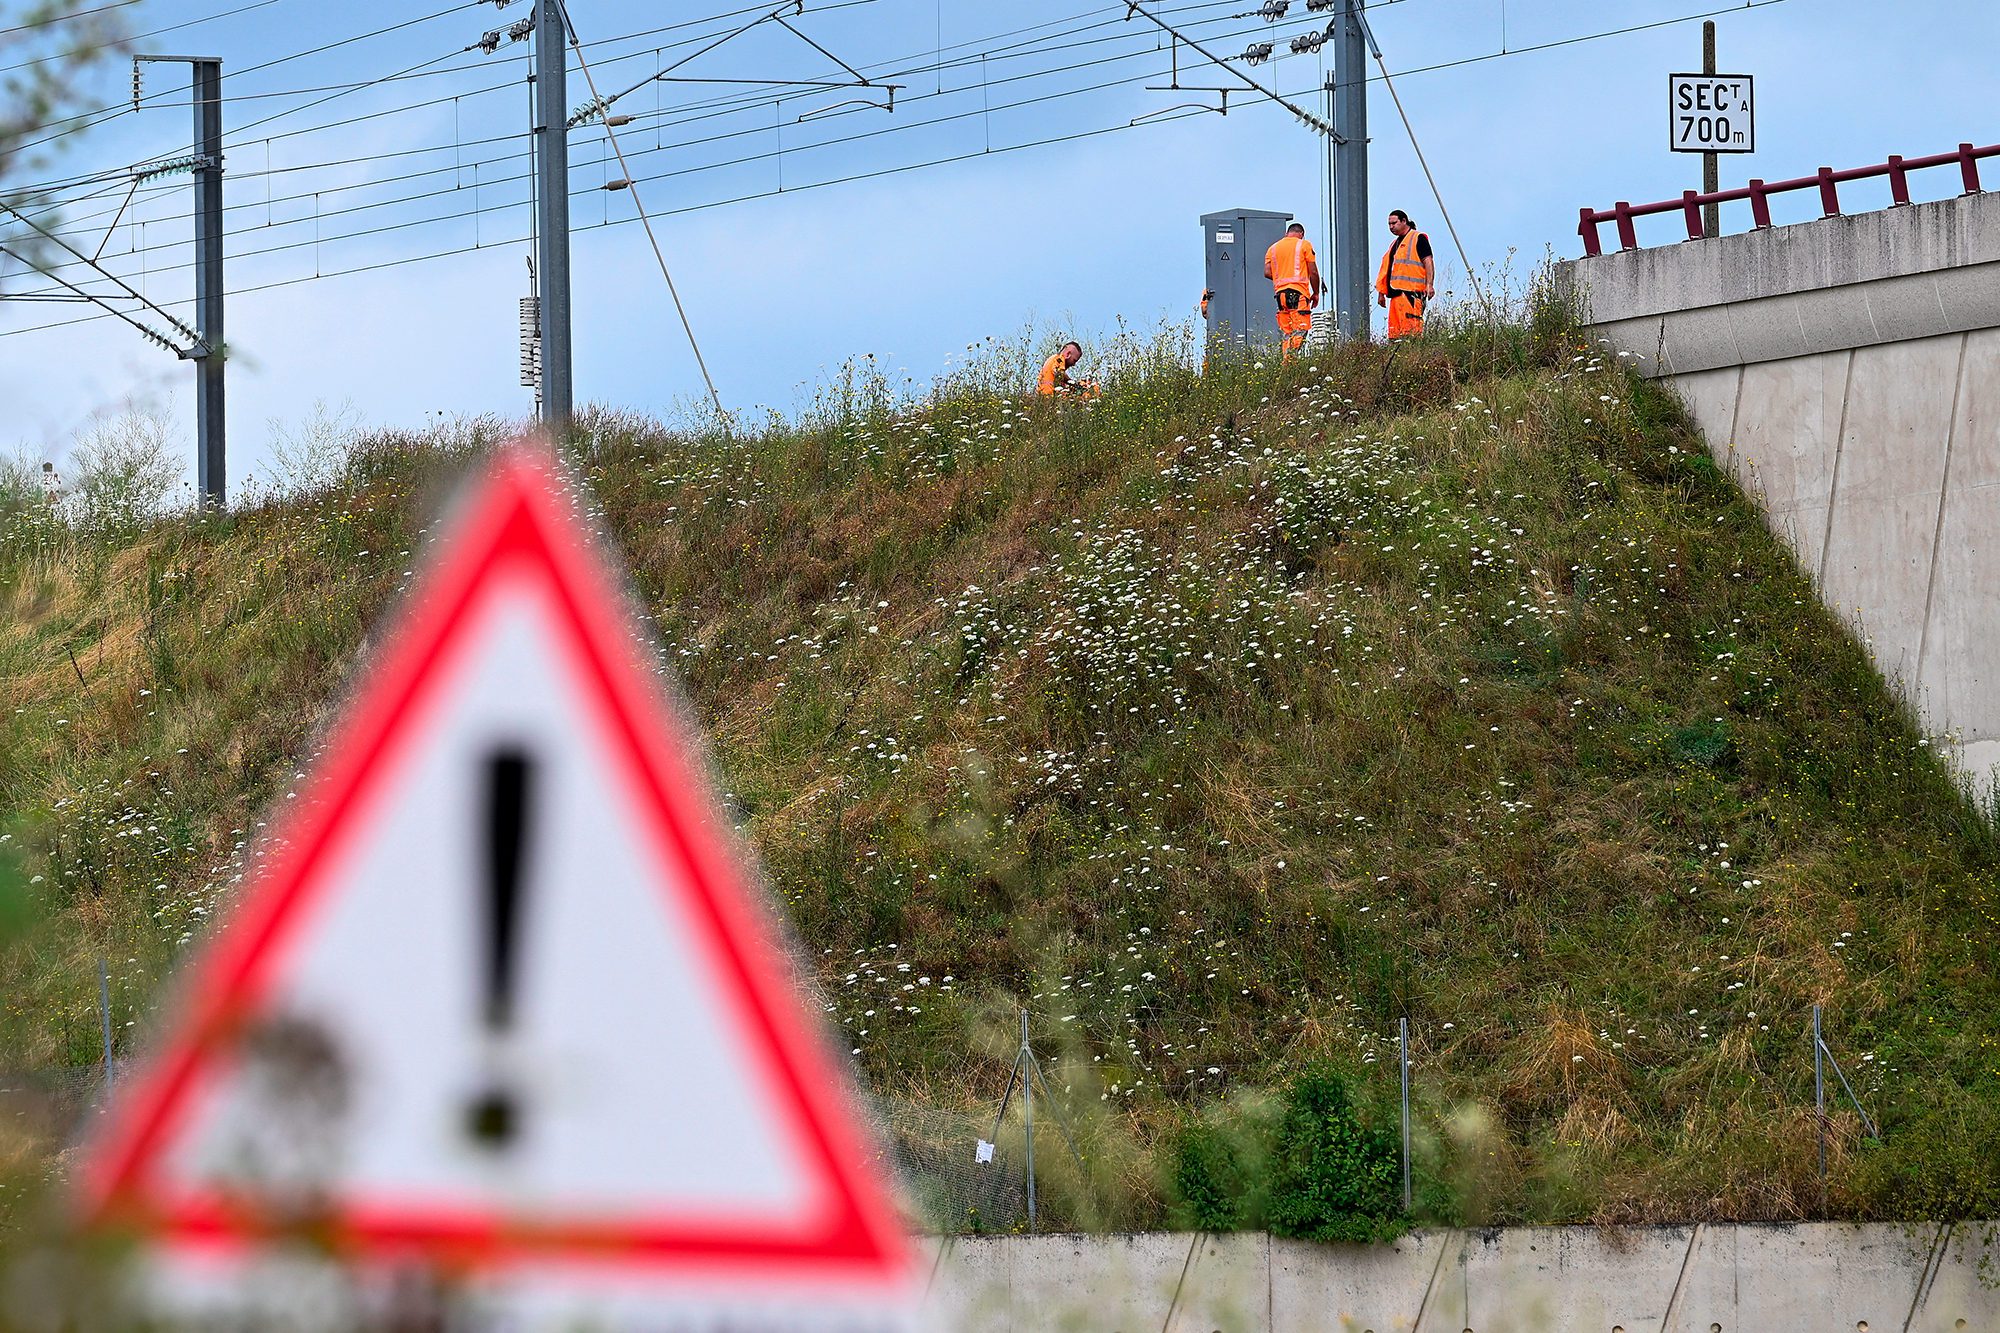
x=1290, y=297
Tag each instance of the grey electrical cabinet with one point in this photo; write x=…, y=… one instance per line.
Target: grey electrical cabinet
x=1242, y=313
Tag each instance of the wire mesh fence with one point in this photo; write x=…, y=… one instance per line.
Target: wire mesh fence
x=1594, y=1078
x=55, y=1104
x=946, y=1185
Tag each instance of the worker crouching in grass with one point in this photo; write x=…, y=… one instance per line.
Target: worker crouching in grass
x=1293, y=269
x=1056, y=382
x=1407, y=279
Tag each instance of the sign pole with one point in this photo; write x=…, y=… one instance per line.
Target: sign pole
x=1711, y=169
x=1711, y=114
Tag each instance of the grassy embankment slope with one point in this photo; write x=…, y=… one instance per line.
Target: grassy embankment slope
x=1221, y=723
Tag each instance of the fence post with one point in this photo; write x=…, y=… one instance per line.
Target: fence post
x=1968, y=168
x=1028, y=1118
x=1760, y=207
x=104, y=1009
x=1819, y=1101
x=1586, y=227
x=1692, y=212
x=1899, y=182
x=1627, y=238
x=1829, y=193
x=1404, y=1035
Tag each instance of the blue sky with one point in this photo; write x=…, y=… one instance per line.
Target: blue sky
x=338, y=170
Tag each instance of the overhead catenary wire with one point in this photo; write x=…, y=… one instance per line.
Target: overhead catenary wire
x=611, y=134
x=581, y=193
x=137, y=36
x=1471, y=275
x=846, y=178
x=699, y=110
x=1590, y=37
x=54, y=19
x=600, y=104
x=98, y=115
x=145, y=329
x=713, y=166
x=85, y=120
x=970, y=59
x=1304, y=116
x=849, y=178
x=121, y=176
x=1051, y=141
x=737, y=161
x=719, y=106
x=186, y=332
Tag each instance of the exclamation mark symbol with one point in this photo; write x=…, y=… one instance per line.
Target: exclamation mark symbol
x=494, y=1117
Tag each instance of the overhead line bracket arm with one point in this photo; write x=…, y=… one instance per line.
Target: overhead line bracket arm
x=1305, y=117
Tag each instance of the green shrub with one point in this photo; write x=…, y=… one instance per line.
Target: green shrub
x=1220, y=1167
x=1306, y=1167
x=1333, y=1177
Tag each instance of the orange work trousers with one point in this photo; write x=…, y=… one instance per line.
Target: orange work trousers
x=1294, y=324
x=1406, y=314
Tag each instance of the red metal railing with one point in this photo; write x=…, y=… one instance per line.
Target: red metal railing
x=1758, y=193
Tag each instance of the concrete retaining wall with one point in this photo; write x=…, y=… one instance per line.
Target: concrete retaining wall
x=1847, y=373
x=1754, y=1279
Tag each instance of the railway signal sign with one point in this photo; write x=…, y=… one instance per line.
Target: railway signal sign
x=498, y=1007
x=1711, y=113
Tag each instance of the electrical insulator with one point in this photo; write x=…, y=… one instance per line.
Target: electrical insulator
x=152, y=171
x=1320, y=6
x=136, y=67
x=531, y=342
x=521, y=29
x=1306, y=43
x=615, y=121
x=1257, y=53
x=619, y=184
x=1273, y=10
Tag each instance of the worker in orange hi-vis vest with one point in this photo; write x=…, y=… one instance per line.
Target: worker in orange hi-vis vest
x=1407, y=280
x=1055, y=375
x=1293, y=269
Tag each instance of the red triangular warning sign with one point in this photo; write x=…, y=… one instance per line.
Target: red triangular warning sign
x=499, y=993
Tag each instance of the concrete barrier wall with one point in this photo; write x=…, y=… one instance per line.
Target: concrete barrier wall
x=1693, y=1279
x=1847, y=373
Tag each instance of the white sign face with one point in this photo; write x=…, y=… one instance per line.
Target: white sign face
x=499, y=1005
x=1711, y=113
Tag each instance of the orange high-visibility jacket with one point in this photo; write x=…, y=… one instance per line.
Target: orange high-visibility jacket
x=1291, y=263
x=1401, y=270
x=1055, y=375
